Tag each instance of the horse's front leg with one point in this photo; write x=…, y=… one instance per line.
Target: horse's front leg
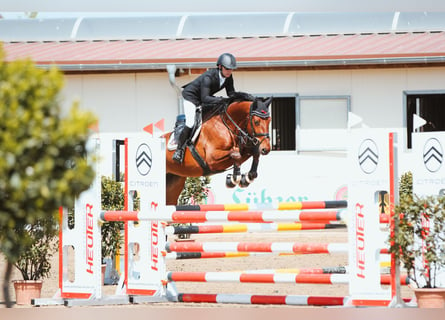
x=232, y=180
x=247, y=179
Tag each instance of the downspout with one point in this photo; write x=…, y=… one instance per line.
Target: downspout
x=180, y=118
x=171, y=69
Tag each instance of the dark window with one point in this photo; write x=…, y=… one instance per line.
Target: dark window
x=430, y=107
x=283, y=123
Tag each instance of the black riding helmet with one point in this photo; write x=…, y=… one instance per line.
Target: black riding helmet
x=227, y=60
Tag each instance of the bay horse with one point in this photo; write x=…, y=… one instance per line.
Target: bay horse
x=236, y=131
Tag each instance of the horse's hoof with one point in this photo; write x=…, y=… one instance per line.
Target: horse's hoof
x=245, y=182
x=252, y=176
x=230, y=183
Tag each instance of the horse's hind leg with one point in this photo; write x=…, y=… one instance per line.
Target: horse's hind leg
x=174, y=186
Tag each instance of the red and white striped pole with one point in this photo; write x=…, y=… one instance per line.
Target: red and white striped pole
x=296, y=300
x=248, y=277
x=275, y=247
x=258, y=227
x=296, y=205
x=171, y=215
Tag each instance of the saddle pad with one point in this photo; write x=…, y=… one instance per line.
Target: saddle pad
x=172, y=144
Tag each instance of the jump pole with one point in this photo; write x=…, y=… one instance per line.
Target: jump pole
x=258, y=227
x=258, y=277
x=293, y=205
x=170, y=214
x=295, y=300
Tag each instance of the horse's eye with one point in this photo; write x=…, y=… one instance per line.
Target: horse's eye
x=257, y=122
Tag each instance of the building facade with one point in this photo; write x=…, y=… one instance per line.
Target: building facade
x=324, y=71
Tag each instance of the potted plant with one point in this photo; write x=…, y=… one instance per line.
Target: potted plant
x=195, y=191
x=34, y=262
x=418, y=240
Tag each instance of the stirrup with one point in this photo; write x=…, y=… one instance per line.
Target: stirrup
x=178, y=156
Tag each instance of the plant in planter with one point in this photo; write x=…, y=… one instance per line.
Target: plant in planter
x=34, y=262
x=195, y=191
x=420, y=234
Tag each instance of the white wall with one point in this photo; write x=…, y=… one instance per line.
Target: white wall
x=377, y=96
x=123, y=102
x=130, y=101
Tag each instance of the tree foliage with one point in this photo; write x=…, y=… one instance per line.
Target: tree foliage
x=43, y=163
x=42, y=156
x=195, y=190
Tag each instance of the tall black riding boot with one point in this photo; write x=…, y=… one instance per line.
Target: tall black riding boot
x=179, y=126
x=180, y=150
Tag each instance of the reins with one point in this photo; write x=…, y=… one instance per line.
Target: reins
x=244, y=136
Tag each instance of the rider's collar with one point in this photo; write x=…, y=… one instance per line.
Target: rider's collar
x=221, y=78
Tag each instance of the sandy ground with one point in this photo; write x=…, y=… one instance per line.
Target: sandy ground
x=242, y=264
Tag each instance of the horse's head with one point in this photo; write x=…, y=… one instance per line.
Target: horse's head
x=248, y=118
x=259, y=120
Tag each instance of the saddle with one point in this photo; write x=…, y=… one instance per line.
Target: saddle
x=205, y=112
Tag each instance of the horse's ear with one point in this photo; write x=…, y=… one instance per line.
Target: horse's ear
x=267, y=102
x=260, y=107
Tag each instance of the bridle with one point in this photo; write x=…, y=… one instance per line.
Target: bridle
x=243, y=135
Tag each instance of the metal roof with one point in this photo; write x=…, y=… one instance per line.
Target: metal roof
x=215, y=25
x=274, y=40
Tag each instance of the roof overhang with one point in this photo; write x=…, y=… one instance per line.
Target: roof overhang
x=296, y=52
x=197, y=67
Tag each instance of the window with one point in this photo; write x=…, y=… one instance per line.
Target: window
x=322, y=123
x=430, y=106
x=309, y=123
x=283, y=123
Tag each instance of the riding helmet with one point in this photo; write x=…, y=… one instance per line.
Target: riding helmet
x=227, y=60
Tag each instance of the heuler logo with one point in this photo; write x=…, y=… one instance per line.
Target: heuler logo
x=432, y=155
x=144, y=159
x=368, y=156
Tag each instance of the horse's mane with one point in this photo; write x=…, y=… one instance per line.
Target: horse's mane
x=240, y=96
x=259, y=106
x=210, y=110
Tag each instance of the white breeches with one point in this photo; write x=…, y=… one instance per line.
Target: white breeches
x=189, y=111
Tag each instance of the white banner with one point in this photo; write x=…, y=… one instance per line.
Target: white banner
x=367, y=194
x=146, y=178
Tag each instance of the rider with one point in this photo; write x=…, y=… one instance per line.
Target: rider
x=200, y=92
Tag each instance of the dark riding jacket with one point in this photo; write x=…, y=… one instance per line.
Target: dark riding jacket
x=201, y=90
